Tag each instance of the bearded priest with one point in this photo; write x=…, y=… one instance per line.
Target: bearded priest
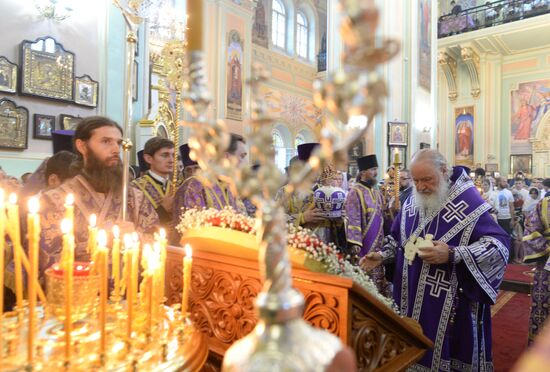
x=447, y=285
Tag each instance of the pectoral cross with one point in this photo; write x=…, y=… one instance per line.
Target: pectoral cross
x=414, y=244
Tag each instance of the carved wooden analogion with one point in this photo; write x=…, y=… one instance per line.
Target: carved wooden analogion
x=222, y=299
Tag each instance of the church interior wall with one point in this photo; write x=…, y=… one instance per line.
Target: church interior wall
x=83, y=34
x=499, y=75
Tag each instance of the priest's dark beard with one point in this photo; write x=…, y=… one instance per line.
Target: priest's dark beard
x=102, y=178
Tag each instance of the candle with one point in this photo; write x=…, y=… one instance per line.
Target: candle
x=92, y=234
x=194, y=24
x=148, y=287
x=2, y=244
x=103, y=263
x=67, y=259
x=396, y=159
x=135, y=262
x=187, y=264
x=128, y=259
x=116, y=262
x=14, y=232
x=162, y=272
x=33, y=230
x=69, y=209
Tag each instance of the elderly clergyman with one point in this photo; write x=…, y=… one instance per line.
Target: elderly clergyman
x=449, y=284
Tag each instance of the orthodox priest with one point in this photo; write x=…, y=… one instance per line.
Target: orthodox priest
x=450, y=259
x=158, y=154
x=299, y=206
x=97, y=189
x=536, y=247
x=365, y=212
x=194, y=193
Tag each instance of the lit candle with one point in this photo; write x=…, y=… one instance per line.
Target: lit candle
x=103, y=263
x=2, y=245
x=396, y=159
x=92, y=234
x=14, y=232
x=69, y=209
x=162, y=272
x=148, y=259
x=33, y=230
x=187, y=265
x=135, y=267
x=116, y=262
x=128, y=259
x=194, y=24
x=67, y=260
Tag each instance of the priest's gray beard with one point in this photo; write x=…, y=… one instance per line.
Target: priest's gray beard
x=432, y=203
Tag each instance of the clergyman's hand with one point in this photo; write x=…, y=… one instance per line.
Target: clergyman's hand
x=438, y=254
x=370, y=261
x=314, y=216
x=168, y=203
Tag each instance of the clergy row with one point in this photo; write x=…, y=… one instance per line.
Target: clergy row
x=448, y=252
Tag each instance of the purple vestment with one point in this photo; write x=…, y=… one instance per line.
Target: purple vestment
x=451, y=301
x=365, y=228
x=193, y=193
x=155, y=193
x=536, y=248
x=107, y=207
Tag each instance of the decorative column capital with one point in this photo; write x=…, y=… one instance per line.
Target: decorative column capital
x=448, y=65
x=471, y=59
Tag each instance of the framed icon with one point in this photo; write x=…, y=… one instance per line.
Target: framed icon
x=85, y=91
x=397, y=133
x=521, y=163
x=69, y=122
x=43, y=126
x=8, y=76
x=46, y=69
x=14, y=121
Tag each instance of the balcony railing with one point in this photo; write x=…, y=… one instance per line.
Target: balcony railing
x=490, y=14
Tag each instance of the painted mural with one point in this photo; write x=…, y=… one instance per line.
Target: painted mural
x=464, y=136
x=425, y=44
x=529, y=104
x=292, y=109
x=259, y=28
x=234, y=76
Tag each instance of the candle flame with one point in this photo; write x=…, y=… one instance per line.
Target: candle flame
x=13, y=198
x=128, y=242
x=93, y=220
x=69, y=199
x=34, y=205
x=156, y=247
x=66, y=226
x=135, y=237
x=102, y=238
x=162, y=233
x=116, y=231
x=188, y=251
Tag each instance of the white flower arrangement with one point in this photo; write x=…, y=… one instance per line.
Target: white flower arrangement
x=332, y=262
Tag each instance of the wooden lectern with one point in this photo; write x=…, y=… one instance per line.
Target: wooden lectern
x=224, y=288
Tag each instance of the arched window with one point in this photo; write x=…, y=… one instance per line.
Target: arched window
x=280, y=150
x=302, y=32
x=278, y=24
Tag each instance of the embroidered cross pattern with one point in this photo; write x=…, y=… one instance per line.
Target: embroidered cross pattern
x=455, y=211
x=437, y=283
x=410, y=207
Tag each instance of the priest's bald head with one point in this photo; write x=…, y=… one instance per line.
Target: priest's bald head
x=97, y=141
x=430, y=173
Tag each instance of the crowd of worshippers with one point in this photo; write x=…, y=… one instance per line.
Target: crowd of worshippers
x=437, y=249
